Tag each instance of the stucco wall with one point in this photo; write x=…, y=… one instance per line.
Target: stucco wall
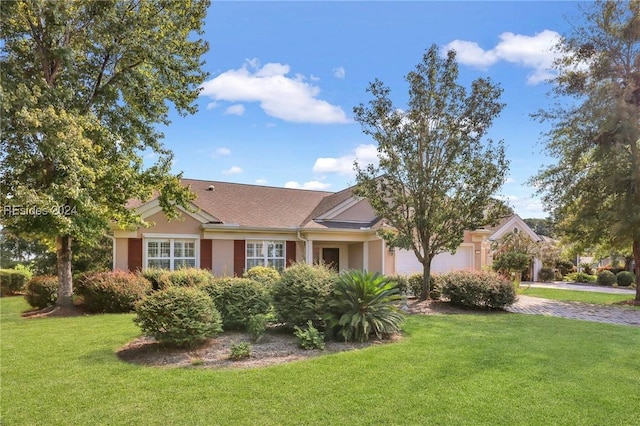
x=355, y=256
x=185, y=225
x=375, y=256
x=361, y=212
x=122, y=252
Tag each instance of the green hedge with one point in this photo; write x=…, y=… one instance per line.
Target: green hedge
x=13, y=281
x=237, y=300
x=478, y=289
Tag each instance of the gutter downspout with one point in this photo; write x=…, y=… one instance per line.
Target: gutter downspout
x=306, y=242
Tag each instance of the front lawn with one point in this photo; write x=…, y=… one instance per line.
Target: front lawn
x=575, y=295
x=450, y=369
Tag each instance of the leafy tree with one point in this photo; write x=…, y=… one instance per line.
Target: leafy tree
x=435, y=176
x=83, y=86
x=593, y=191
x=542, y=227
x=513, y=254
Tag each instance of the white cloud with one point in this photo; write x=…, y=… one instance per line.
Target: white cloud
x=509, y=180
x=314, y=185
x=364, y=154
x=237, y=109
x=261, y=182
x=221, y=152
x=212, y=105
x=234, y=170
x=339, y=72
x=280, y=96
x=526, y=207
x=535, y=52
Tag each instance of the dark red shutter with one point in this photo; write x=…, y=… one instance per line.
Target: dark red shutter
x=291, y=252
x=238, y=257
x=135, y=254
x=206, y=255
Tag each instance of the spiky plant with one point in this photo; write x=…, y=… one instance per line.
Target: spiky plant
x=362, y=304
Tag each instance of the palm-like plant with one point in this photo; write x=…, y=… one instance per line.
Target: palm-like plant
x=362, y=304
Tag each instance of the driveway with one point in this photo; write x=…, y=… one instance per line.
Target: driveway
x=576, y=310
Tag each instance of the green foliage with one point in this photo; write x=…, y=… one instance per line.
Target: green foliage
x=115, y=292
x=240, y=351
x=184, y=277
x=579, y=277
x=542, y=227
x=13, y=281
x=546, y=274
x=180, y=316
x=156, y=276
x=565, y=266
x=437, y=173
x=607, y=278
x=84, y=87
x=301, y=294
x=257, y=325
x=478, y=289
x=625, y=278
x=586, y=268
x=511, y=261
x=237, y=299
x=42, y=291
x=309, y=337
x=262, y=274
x=364, y=304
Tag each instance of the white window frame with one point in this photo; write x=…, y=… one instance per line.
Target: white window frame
x=172, y=238
x=265, y=257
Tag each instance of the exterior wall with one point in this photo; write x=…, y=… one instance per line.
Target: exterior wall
x=361, y=212
x=356, y=256
x=122, y=253
x=185, y=225
x=389, y=262
x=222, y=254
x=375, y=256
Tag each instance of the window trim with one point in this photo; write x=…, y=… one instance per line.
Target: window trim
x=265, y=257
x=147, y=237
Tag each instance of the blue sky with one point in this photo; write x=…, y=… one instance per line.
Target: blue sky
x=277, y=109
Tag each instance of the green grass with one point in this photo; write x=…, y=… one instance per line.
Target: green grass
x=575, y=295
x=457, y=369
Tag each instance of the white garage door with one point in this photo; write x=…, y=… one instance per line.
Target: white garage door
x=406, y=262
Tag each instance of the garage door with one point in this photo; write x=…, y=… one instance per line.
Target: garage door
x=406, y=262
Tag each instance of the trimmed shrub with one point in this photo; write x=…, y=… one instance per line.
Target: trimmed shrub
x=565, y=266
x=402, y=283
x=42, y=291
x=257, y=326
x=310, y=337
x=546, y=274
x=625, y=278
x=156, y=276
x=185, y=277
x=240, y=351
x=13, y=281
x=263, y=275
x=363, y=304
x=606, y=277
x=579, y=277
x=179, y=316
x=478, y=289
x=301, y=294
x=114, y=292
x=237, y=299
x=415, y=285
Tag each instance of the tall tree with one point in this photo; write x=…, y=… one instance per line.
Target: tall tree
x=83, y=86
x=435, y=176
x=593, y=191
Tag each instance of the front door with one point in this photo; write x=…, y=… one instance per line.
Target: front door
x=331, y=258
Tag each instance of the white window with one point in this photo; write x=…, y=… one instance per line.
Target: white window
x=170, y=253
x=266, y=253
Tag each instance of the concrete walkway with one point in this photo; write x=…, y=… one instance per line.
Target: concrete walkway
x=563, y=285
x=576, y=310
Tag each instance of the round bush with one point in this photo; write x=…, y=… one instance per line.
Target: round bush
x=156, y=276
x=625, y=278
x=180, y=316
x=114, y=292
x=478, y=289
x=301, y=294
x=42, y=291
x=263, y=274
x=605, y=277
x=237, y=300
x=546, y=274
x=186, y=277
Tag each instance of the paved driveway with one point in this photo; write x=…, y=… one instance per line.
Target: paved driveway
x=575, y=310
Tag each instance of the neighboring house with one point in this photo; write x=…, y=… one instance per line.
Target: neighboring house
x=238, y=226
x=516, y=225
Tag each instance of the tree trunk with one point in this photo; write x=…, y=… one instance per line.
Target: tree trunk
x=65, y=282
x=636, y=256
x=426, y=278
